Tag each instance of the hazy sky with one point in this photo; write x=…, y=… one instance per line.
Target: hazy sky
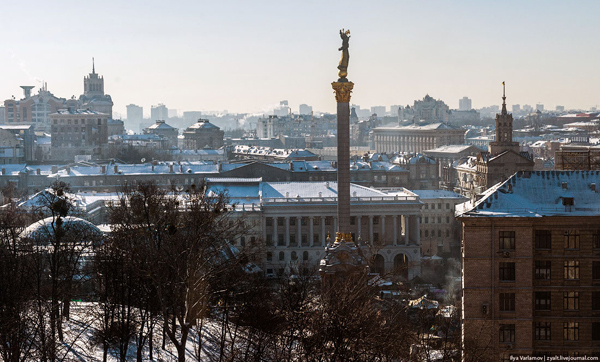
x=246, y=56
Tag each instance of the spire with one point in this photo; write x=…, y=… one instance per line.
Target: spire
x=504, y=112
x=94, y=67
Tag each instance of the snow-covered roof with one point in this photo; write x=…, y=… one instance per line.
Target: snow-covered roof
x=537, y=194
x=451, y=149
x=431, y=126
x=161, y=125
x=438, y=194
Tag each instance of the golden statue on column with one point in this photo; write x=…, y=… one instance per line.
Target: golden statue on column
x=343, y=66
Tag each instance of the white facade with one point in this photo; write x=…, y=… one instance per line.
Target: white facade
x=464, y=104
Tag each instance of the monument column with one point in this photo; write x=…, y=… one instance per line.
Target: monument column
x=342, y=89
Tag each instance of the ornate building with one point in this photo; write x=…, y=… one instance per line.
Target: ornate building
x=428, y=109
x=416, y=138
x=93, y=97
x=165, y=130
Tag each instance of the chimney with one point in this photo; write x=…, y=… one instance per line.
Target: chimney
x=38, y=171
x=103, y=169
x=171, y=168
x=116, y=169
x=68, y=169
x=4, y=171
x=54, y=169
x=593, y=187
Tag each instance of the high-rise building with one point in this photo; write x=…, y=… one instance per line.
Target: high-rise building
x=560, y=108
x=190, y=117
x=516, y=108
x=172, y=113
x=539, y=107
x=283, y=109
x=159, y=112
x=464, y=104
x=93, y=96
x=378, y=110
x=135, y=113
x=305, y=109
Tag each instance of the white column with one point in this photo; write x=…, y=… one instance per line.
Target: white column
x=371, y=229
x=264, y=228
x=299, y=231
x=287, y=231
x=395, y=217
x=275, y=234
x=323, y=234
x=311, y=237
x=382, y=218
x=406, y=229
x=417, y=231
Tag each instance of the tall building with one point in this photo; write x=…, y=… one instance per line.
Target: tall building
x=378, y=110
x=305, y=109
x=135, y=113
x=516, y=108
x=464, y=104
x=539, y=107
x=159, y=112
x=33, y=109
x=560, y=108
x=190, y=117
x=93, y=96
x=283, y=109
x=531, y=267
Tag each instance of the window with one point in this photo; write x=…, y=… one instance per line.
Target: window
x=243, y=241
x=269, y=256
x=595, y=331
x=304, y=221
x=304, y=239
x=253, y=240
x=596, y=270
x=543, y=300
x=507, y=272
x=447, y=206
x=447, y=219
x=376, y=238
x=376, y=220
x=571, y=269
x=447, y=233
x=507, y=333
x=294, y=255
x=316, y=221
x=280, y=221
x=269, y=239
x=571, y=239
x=426, y=206
x=543, y=239
x=305, y=256
x=542, y=331
x=269, y=221
x=292, y=221
x=426, y=232
x=439, y=233
x=353, y=220
x=507, y=240
x=439, y=220
x=439, y=206
x=571, y=331
x=596, y=239
x=543, y=269
x=595, y=300
x=571, y=300
x=293, y=239
x=281, y=255
x=316, y=239
x=280, y=240
x=507, y=302
x=328, y=220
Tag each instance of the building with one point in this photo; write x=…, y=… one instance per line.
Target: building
x=283, y=109
x=93, y=97
x=531, y=266
x=203, y=134
x=416, y=138
x=190, y=117
x=516, y=108
x=135, y=114
x=539, y=107
x=431, y=110
x=78, y=132
x=305, y=109
x=34, y=109
x=161, y=128
x=583, y=158
x=464, y=104
x=440, y=231
x=115, y=127
x=159, y=112
x=378, y=110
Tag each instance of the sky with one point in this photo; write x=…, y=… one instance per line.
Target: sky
x=246, y=56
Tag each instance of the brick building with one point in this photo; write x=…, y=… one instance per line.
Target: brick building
x=531, y=266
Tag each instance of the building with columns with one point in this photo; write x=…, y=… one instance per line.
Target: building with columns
x=296, y=218
x=416, y=138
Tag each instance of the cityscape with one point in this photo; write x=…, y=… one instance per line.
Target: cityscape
x=277, y=193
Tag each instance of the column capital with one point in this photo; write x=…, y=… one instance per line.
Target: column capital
x=342, y=91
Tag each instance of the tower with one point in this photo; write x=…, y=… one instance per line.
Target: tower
x=93, y=85
x=504, y=129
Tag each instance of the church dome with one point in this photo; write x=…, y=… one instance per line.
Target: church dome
x=75, y=229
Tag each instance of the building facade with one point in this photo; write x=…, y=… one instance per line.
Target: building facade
x=203, y=134
x=416, y=138
x=531, y=267
x=161, y=128
x=78, y=132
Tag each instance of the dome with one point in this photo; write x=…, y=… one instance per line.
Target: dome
x=74, y=227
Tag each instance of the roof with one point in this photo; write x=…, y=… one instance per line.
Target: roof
x=67, y=111
x=431, y=126
x=438, y=194
x=452, y=149
x=161, y=125
x=537, y=194
x=203, y=124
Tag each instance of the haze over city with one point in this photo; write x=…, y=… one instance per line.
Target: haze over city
x=247, y=56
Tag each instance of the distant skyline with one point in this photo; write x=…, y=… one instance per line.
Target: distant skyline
x=247, y=56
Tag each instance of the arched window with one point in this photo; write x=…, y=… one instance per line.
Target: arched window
x=281, y=255
x=305, y=256
x=294, y=255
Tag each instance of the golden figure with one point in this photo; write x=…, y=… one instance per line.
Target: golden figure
x=343, y=66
